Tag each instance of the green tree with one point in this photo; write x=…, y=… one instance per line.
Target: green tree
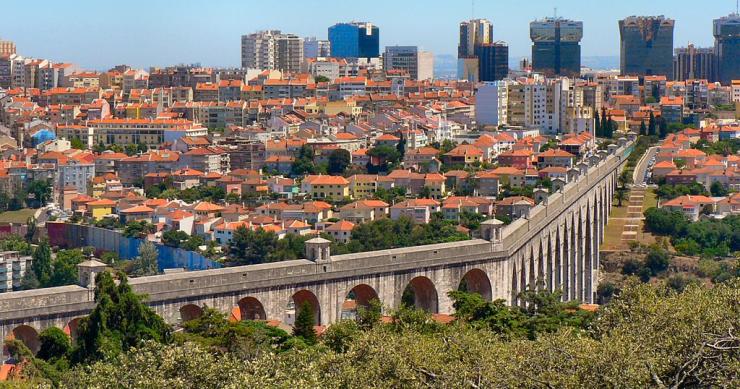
x=446, y=146
x=138, y=229
x=76, y=143
x=41, y=191
x=31, y=228
x=174, y=238
x=65, y=267
x=320, y=78
x=193, y=242
x=643, y=128
x=339, y=161
x=55, y=344
x=620, y=195
x=388, y=157
x=233, y=198
x=249, y=247
x=145, y=264
x=718, y=189
x=304, y=323
x=41, y=265
x=651, y=125
x=657, y=260
x=304, y=162
x=119, y=321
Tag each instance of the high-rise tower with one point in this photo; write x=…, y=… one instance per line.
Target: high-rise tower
x=354, y=40
x=556, y=49
x=473, y=33
x=646, y=46
x=727, y=48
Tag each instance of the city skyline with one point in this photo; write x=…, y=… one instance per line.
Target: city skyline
x=139, y=37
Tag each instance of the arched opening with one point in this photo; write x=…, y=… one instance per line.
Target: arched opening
x=72, y=328
x=565, y=284
x=532, y=272
x=421, y=293
x=476, y=281
x=190, y=312
x=251, y=309
x=514, y=286
x=573, y=259
x=359, y=296
x=29, y=336
x=297, y=301
x=550, y=260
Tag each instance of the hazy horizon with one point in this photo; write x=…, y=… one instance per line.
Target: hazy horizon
x=98, y=35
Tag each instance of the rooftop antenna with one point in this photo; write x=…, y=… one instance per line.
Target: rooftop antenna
x=472, y=9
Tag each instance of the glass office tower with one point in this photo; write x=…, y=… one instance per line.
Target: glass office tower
x=354, y=40
x=727, y=48
x=556, y=49
x=493, y=61
x=646, y=46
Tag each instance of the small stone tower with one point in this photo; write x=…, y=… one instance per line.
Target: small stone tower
x=86, y=272
x=318, y=250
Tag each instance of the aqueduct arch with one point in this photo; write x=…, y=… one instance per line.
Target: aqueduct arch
x=251, y=309
x=477, y=281
x=424, y=294
x=28, y=335
x=297, y=300
x=190, y=312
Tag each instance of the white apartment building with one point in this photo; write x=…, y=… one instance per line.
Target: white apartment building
x=13, y=267
x=491, y=103
x=551, y=106
x=418, y=64
x=271, y=50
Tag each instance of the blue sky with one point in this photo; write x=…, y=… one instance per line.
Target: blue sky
x=99, y=34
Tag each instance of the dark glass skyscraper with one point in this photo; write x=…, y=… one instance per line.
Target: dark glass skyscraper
x=493, y=61
x=556, y=49
x=646, y=46
x=727, y=48
x=354, y=40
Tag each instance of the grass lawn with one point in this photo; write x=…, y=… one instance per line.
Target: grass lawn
x=19, y=216
x=651, y=200
x=619, y=211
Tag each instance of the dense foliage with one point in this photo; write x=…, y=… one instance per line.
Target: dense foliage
x=710, y=238
x=248, y=247
x=47, y=272
x=386, y=233
x=669, y=192
x=723, y=147
x=648, y=336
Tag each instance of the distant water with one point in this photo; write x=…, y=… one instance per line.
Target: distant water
x=445, y=65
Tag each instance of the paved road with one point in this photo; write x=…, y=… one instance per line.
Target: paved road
x=638, y=177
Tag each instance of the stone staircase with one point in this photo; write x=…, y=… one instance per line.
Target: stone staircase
x=634, y=213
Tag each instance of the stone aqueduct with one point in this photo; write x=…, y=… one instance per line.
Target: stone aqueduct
x=556, y=245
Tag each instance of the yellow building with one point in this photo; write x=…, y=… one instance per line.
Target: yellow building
x=348, y=107
x=333, y=188
x=98, y=209
x=363, y=185
x=98, y=186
